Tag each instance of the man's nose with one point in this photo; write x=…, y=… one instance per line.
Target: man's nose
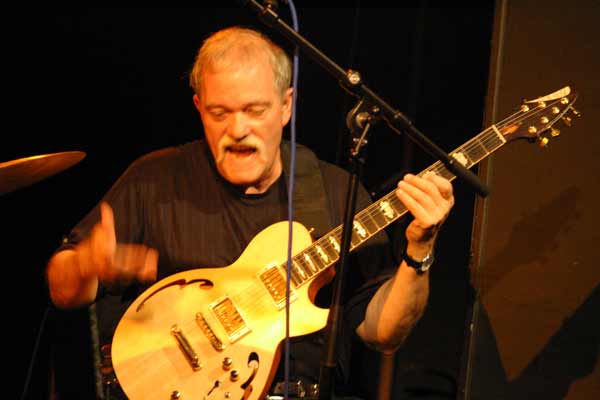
x=238, y=126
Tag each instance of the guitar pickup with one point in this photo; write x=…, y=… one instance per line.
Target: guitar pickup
x=275, y=283
x=230, y=318
x=186, y=348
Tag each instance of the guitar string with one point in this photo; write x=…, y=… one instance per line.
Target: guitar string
x=480, y=142
x=474, y=145
x=367, y=215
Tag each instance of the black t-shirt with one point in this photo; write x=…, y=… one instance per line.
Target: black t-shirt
x=175, y=201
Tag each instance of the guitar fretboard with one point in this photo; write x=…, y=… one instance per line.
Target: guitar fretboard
x=534, y=117
x=325, y=251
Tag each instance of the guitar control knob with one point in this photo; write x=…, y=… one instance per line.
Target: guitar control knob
x=227, y=362
x=176, y=394
x=234, y=375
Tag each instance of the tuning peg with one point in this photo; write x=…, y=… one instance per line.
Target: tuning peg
x=567, y=120
x=575, y=112
x=543, y=142
x=554, y=132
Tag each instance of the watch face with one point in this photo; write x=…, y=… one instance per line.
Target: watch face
x=427, y=261
x=420, y=266
x=426, y=264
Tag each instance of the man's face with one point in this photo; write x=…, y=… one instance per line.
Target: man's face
x=243, y=115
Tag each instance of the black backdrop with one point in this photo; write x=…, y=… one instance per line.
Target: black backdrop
x=112, y=83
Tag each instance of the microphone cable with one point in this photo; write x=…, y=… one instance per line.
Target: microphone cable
x=295, y=71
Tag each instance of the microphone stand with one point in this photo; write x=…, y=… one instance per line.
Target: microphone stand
x=352, y=81
x=358, y=121
x=370, y=107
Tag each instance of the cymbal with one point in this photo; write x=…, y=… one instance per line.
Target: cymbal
x=23, y=172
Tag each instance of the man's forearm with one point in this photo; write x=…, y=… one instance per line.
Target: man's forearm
x=395, y=309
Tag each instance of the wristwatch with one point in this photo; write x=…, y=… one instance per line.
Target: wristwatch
x=419, y=266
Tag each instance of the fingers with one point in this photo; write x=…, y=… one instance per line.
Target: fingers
x=431, y=184
x=104, y=237
x=98, y=252
x=107, y=221
x=148, y=272
x=135, y=261
x=443, y=185
x=429, y=198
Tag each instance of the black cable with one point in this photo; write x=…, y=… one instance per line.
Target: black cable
x=34, y=354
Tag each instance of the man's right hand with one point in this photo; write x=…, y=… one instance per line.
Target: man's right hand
x=100, y=255
x=74, y=275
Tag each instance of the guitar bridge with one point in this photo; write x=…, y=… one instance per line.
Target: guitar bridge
x=186, y=348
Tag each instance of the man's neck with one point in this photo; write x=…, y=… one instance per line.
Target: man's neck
x=264, y=184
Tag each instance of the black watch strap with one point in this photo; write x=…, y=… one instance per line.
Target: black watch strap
x=420, y=266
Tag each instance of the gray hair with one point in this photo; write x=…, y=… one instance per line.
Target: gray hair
x=237, y=45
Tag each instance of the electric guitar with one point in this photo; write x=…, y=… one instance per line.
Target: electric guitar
x=216, y=333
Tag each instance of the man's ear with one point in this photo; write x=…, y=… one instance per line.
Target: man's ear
x=196, y=102
x=287, y=106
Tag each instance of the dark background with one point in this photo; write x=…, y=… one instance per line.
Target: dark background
x=536, y=327
x=113, y=84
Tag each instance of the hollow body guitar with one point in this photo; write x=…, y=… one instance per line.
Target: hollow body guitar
x=216, y=333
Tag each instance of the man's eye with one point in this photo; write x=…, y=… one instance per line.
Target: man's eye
x=219, y=114
x=256, y=111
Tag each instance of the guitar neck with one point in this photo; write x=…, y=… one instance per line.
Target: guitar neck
x=325, y=251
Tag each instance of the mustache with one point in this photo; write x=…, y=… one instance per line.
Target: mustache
x=245, y=143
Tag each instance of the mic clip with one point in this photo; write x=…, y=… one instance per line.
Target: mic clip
x=359, y=119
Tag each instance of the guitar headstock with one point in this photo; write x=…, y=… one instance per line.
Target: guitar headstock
x=536, y=118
